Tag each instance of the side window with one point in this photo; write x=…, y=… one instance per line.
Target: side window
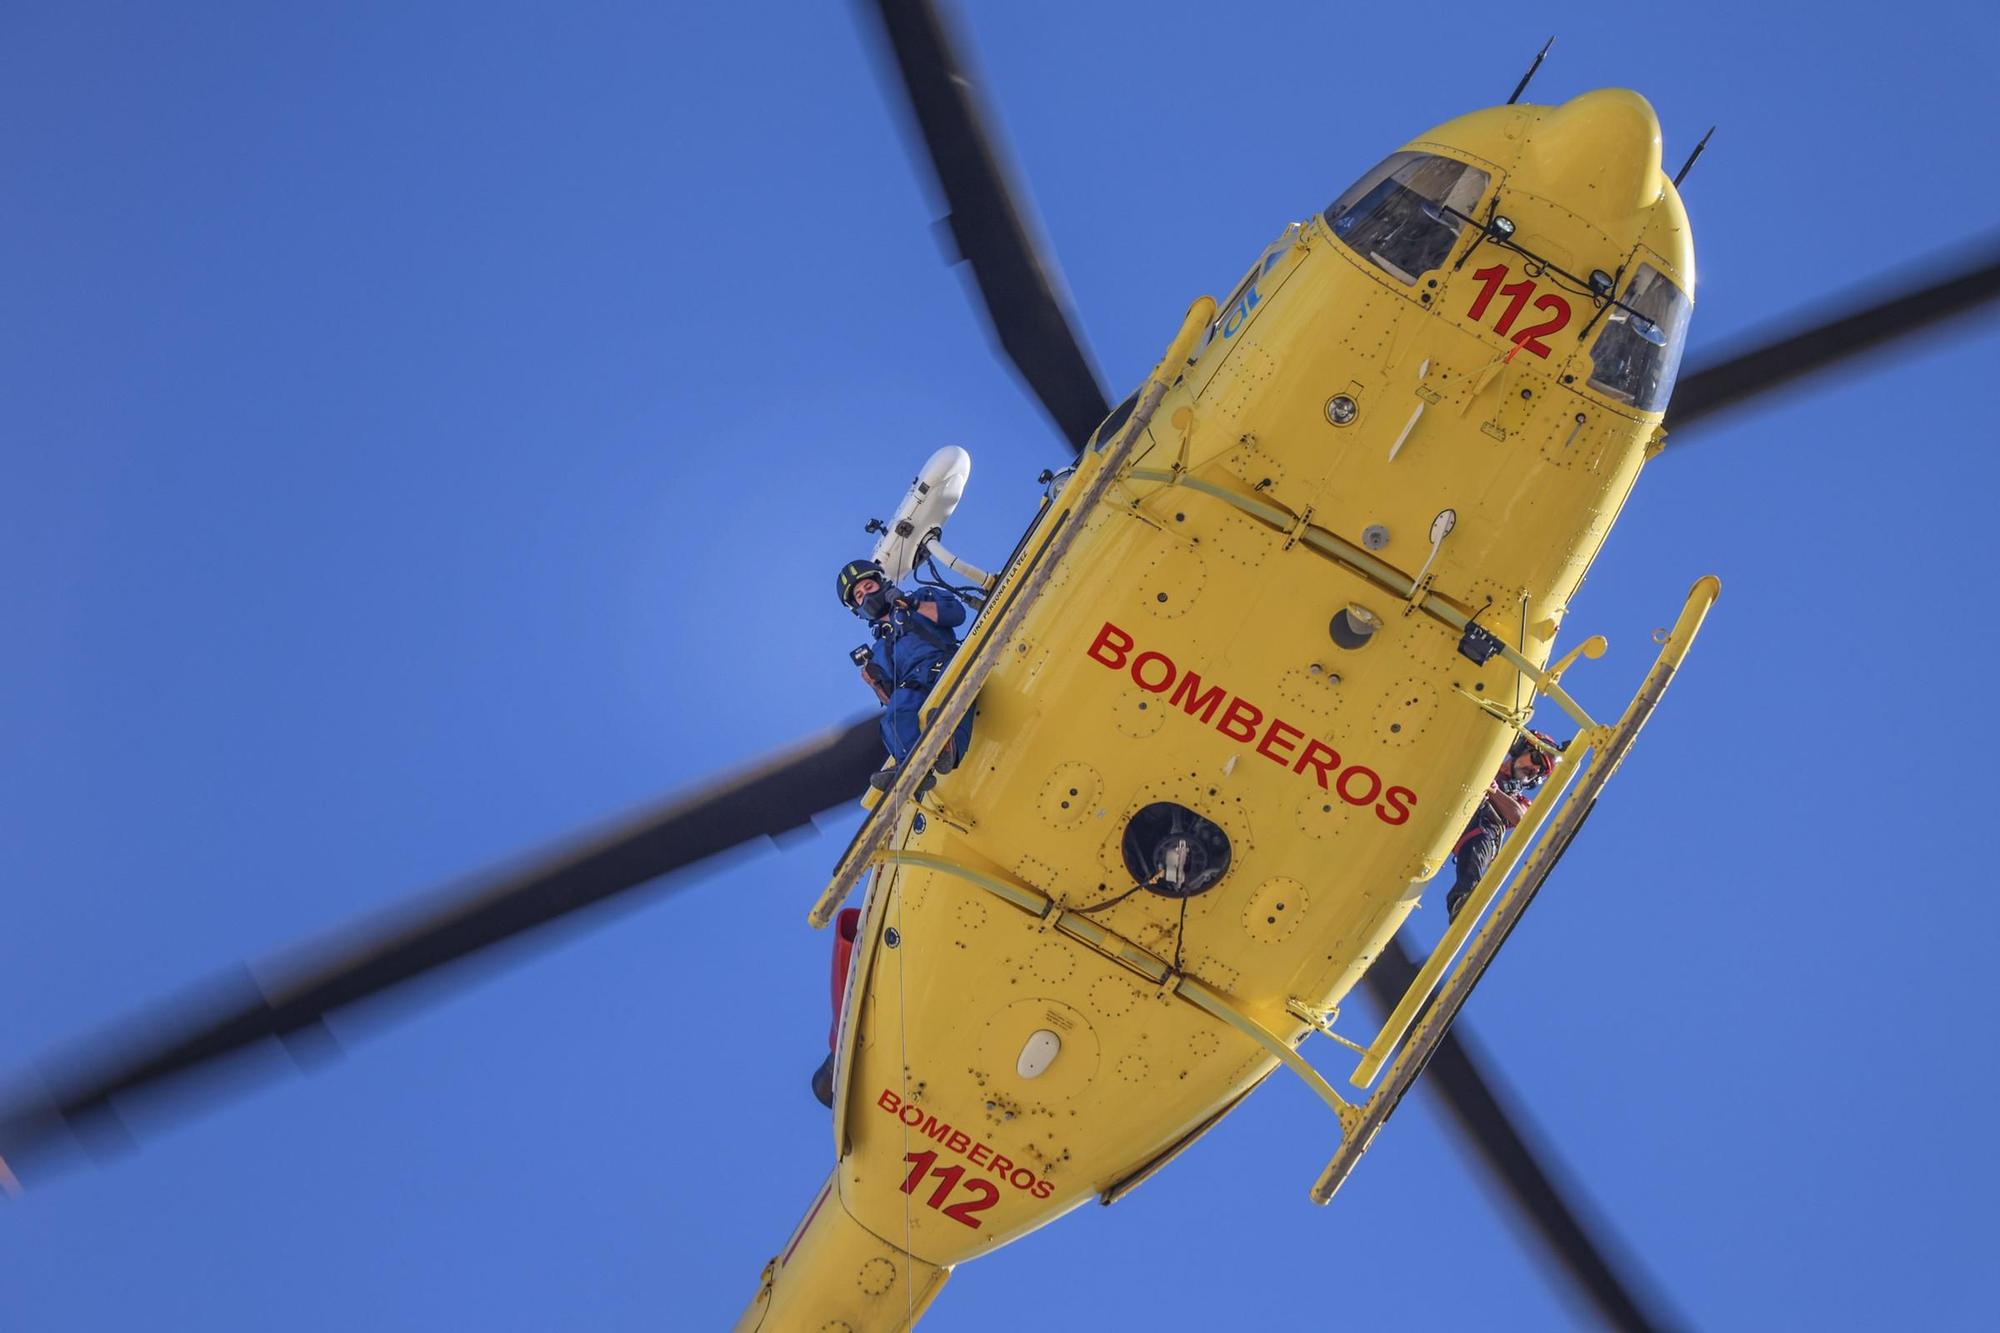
x=1233, y=312
x=1403, y=217
x=1637, y=354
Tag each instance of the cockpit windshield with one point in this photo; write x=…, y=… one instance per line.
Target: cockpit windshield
x=1638, y=352
x=1395, y=218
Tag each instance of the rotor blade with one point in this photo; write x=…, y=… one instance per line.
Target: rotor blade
x=1023, y=296
x=771, y=799
x=1523, y=1169
x=1949, y=288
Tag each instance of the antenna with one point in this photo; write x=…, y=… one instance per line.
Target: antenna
x=1522, y=86
x=1688, y=165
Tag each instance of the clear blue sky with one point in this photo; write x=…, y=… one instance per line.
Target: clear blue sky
x=430, y=429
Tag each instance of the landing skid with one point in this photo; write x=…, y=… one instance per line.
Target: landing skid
x=1433, y=1003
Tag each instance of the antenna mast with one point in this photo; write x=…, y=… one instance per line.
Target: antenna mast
x=1522, y=86
x=1688, y=165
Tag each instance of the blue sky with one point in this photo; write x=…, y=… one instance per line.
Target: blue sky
x=429, y=430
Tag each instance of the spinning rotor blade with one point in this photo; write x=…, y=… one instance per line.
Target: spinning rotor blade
x=1523, y=1169
x=1957, y=289
x=1023, y=298
x=777, y=797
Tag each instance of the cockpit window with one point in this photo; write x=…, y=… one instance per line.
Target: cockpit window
x=1395, y=218
x=1638, y=352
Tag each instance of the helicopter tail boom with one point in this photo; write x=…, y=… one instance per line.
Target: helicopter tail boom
x=835, y=1273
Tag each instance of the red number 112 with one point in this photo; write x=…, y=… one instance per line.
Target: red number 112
x=1517, y=294
x=948, y=1177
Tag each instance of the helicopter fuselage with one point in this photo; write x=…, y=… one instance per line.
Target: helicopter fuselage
x=1457, y=370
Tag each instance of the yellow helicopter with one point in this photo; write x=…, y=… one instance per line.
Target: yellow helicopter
x=1240, y=689
x=1247, y=604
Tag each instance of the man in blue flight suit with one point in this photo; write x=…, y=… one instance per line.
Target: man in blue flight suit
x=913, y=641
x=1506, y=801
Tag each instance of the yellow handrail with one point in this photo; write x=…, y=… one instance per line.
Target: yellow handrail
x=881, y=823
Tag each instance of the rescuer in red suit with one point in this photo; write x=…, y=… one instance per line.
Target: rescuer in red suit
x=1506, y=801
x=846, y=927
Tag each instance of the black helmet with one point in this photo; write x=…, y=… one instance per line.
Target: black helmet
x=852, y=573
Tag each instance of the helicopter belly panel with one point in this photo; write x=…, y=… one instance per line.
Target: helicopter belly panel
x=958, y=1139
x=1195, y=654
x=1435, y=412
x=1233, y=705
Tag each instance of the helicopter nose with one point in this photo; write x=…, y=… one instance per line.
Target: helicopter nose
x=1602, y=147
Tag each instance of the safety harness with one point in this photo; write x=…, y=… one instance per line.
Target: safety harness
x=938, y=637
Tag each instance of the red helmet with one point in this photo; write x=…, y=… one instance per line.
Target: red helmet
x=1543, y=754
